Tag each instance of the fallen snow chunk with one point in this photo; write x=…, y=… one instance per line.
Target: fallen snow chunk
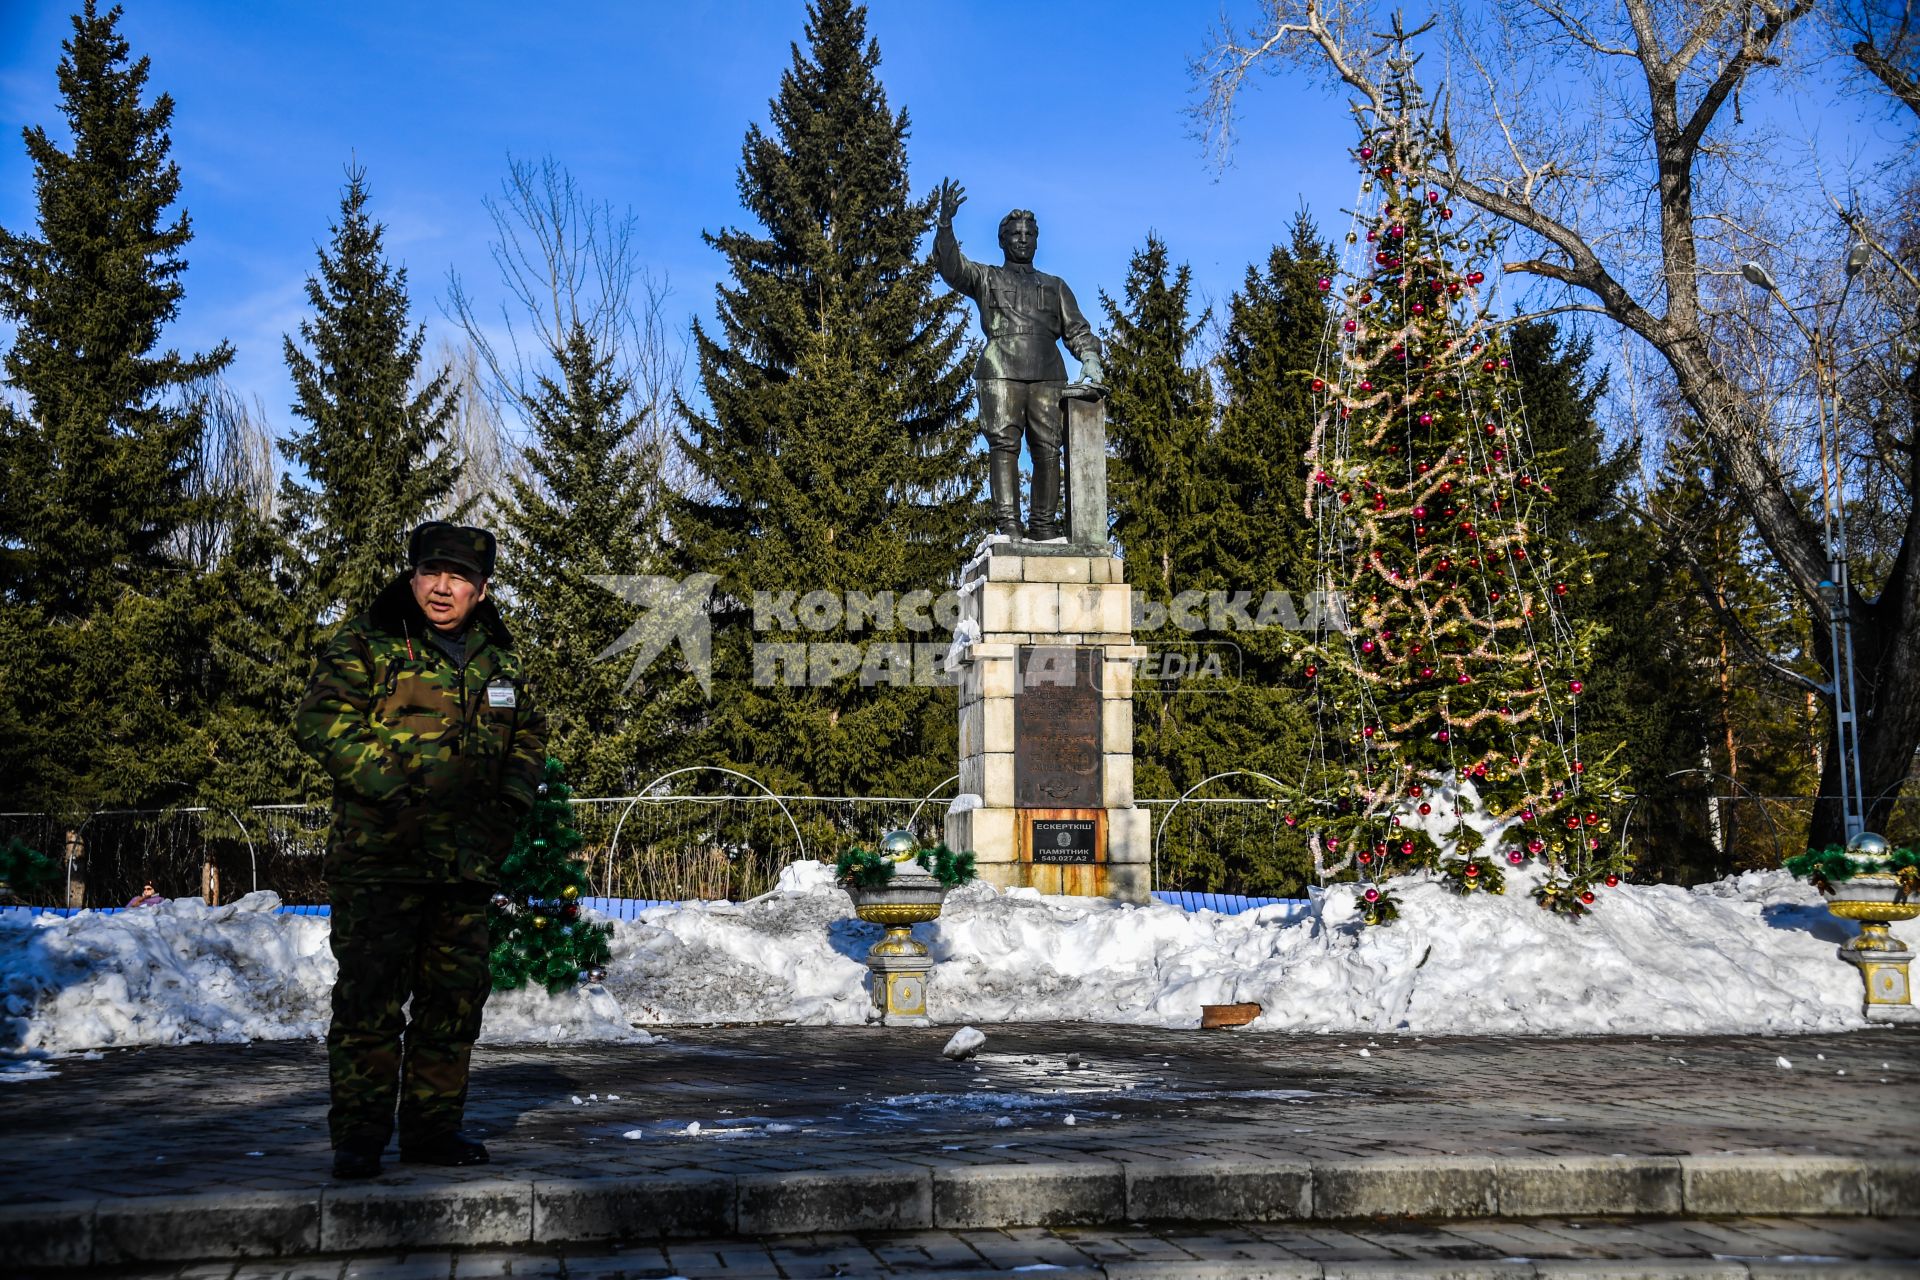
x=613, y=1097
x=634, y=1133
x=1070, y=1119
x=965, y=1043
x=693, y=1127
x=807, y=875
x=1783, y=1064
x=1365, y=1054
x=578, y=1101
x=1003, y=1122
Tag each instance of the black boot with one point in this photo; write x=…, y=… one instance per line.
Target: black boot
x=1003, y=475
x=448, y=1149
x=352, y=1160
x=1043, y=512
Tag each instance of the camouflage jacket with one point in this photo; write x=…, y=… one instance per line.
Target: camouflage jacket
x=433, y=761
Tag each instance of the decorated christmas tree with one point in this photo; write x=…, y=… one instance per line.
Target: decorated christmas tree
x=1447, y=709
x=538, y=935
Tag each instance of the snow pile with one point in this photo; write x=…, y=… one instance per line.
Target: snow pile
x=1750, y=954
x=187, y=973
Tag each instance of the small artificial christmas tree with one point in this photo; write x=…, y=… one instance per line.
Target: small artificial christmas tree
x=538, y=935
x=1447, y=708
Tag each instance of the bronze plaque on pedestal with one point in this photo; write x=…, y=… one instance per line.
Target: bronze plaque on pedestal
x=1056, y=727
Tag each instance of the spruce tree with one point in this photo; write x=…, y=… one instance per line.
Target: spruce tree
x=1276, y=324
x=836, y=455
x=1467, y=651
x=93, y=471
x=1192, y=515
x=586, y=510
x=372, y=454
x=104, y=693
x=1159, y=417
x=1647, y=696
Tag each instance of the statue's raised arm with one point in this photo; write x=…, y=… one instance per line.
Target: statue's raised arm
x=1026, y=314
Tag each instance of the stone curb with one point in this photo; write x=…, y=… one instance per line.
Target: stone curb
x=1090, y=1192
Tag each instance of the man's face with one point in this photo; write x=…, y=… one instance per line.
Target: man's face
x=447, y=593
x=1018, y=239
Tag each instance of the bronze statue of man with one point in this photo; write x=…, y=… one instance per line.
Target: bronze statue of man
x=1025, y=314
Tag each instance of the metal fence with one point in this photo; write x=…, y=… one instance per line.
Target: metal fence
x=677, y=847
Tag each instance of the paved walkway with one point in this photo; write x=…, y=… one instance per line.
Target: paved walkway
x=1592, y=1248
x=767, y=1131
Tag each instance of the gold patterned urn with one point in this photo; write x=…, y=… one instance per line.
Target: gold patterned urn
x=897, y=965
x=1875, y=899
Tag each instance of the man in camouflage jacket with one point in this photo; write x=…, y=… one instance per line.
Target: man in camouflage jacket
x=419, y=713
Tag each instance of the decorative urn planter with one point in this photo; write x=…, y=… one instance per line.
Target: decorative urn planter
x=897, y=965
x=1875, y=899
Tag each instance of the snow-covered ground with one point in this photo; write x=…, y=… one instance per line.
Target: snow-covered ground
x=1754, y=953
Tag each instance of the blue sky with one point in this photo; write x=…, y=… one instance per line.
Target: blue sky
x=1076, y=108
x=1073, y=109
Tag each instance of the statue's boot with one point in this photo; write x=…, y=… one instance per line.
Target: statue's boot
x=1043, y=520
x=1003, y=475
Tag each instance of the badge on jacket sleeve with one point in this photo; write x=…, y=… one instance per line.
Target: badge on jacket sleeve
x=500, y=694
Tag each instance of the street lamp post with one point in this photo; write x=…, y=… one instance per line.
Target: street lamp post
x=1872, y=892
x=1836, y=589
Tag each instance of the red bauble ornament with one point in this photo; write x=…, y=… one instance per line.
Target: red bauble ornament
x=1351, y=326
x=1312, y=671
x=1366, y=153
x=1578, y=767
x=1612, y=880
x=1372, y=895
x=1559, y=588
x=1406, y=846
x=1516, y=857
x=1319, y=384
x=1325, y=284
x=1443, y=735
x=1535, y=846
x=1473, y=870
x=1475, y=277
x=1574, y=686
x=1425, y=809
x=1291, y=820
x=1586, y=895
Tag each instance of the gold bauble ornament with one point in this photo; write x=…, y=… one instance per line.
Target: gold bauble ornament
x=569, y=893
x=539, y=922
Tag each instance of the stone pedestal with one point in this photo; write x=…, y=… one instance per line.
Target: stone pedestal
x=1883, y=963
x=1046, y=722
x=1876, y=899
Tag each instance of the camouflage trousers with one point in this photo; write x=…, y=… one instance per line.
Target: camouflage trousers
x=395, y=942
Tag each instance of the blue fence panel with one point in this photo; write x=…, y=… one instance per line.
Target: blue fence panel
x=1226, y=904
